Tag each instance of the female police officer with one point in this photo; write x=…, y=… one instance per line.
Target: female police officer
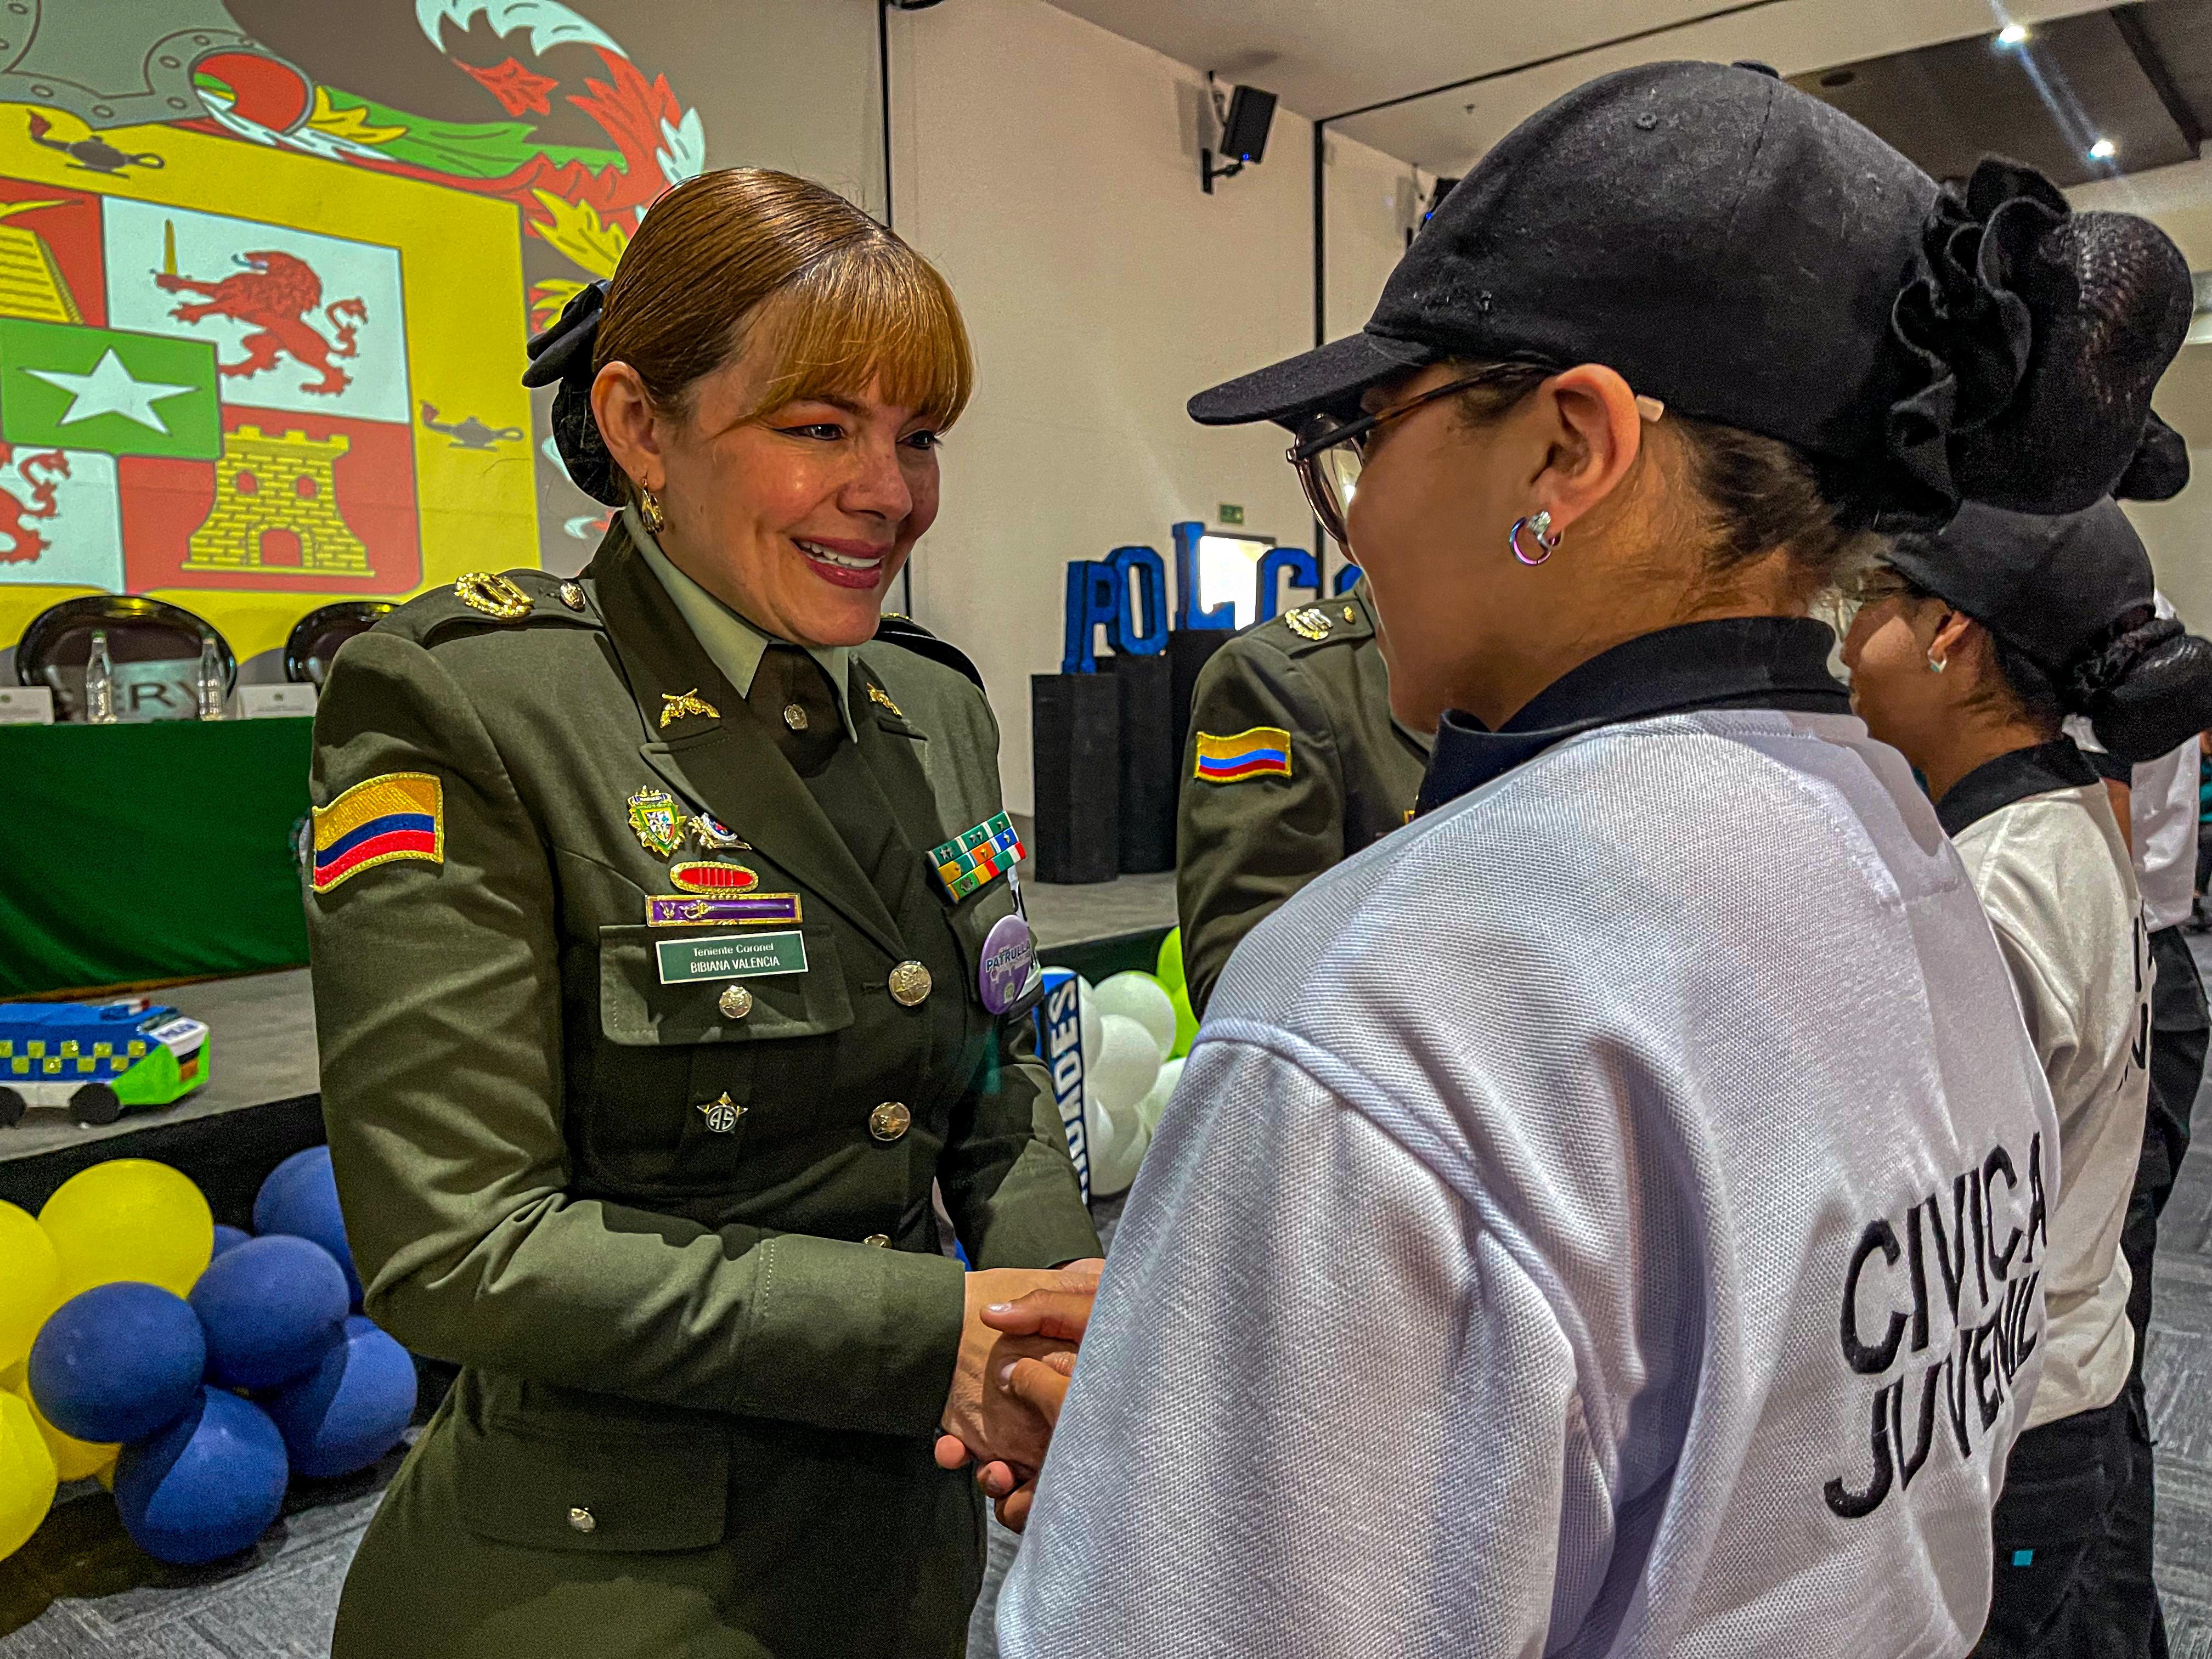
x=1545, y=1229
x=659, y=969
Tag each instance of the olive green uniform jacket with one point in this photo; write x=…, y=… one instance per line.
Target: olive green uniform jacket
x=704, y=1353
x=1242, y=847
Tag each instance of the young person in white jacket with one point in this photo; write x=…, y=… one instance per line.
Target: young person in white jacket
x=1603, y=1216
x=1969, y=652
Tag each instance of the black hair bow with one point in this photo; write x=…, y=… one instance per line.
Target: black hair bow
x=562, y=355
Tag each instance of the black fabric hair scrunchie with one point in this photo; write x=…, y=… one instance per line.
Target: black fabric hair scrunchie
x=2036, y=335
x=562, y=355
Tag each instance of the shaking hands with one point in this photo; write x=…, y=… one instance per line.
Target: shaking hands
x=1017, y=1353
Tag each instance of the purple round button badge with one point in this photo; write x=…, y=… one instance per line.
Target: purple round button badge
x=1008, y=954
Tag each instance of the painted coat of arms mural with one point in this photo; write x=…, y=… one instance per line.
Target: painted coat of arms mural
x=262, y=316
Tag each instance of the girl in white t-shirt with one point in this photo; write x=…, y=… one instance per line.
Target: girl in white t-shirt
x=1970, y=650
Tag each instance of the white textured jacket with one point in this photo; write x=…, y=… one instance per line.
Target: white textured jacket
x=1603, y=1217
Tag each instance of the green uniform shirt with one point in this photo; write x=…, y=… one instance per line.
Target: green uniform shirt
x=1310, y=687
x=680, y=1235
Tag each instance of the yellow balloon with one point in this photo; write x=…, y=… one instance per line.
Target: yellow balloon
x=30, y=1284
x=1185, y=1023
x=1168, y=970
x=129, y=1219
x=27, y=1475
x=74, y=1460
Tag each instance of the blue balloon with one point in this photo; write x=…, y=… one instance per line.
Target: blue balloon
x=206, y=1486
x=229, y=1237
x=300, y=1197
x=116, y=1362
x=351, y=1409
x=271, y=1308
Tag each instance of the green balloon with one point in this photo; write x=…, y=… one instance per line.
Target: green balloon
x=1186, y=1022
x=1170, y=968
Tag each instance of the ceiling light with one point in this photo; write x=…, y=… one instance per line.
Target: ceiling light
x=2103, y=150
x=2012, y=34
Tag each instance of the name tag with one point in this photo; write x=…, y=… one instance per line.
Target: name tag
x=730, y=955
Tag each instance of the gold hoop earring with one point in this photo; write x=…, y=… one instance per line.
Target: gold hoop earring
x=648, y=508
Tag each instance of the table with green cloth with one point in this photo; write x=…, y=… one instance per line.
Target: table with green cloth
x=130, y=853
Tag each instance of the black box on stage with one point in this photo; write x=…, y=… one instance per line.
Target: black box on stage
x=1188, y=649
x=1075, y=735
x=1151, y=755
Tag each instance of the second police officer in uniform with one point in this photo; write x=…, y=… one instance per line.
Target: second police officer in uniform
x=1293, y=763
x=662, y=964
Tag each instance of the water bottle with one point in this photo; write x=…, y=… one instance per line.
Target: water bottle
x=210, y=680
x=100, y=682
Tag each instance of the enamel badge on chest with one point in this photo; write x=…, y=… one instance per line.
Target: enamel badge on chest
x=1009, y=953
x=658, y=826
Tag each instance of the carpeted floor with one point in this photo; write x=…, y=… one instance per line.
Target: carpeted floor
x=81, y=1588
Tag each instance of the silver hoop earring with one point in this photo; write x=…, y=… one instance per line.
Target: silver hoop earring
x=1537, y=526
x=648, y=508
x=1936, y=664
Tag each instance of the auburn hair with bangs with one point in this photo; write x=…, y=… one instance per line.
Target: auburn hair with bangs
x=747, y=255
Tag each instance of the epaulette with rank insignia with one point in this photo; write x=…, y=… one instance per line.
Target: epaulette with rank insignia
x=1335, y=621
x=492, y=600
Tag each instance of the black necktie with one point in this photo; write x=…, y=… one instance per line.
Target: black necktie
x=791, y=694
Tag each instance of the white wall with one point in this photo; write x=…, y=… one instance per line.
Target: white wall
x=2178, y=532
x=1051, y=170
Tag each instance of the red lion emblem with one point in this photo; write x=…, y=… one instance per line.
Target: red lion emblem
x=42, y=472
x=275, y=294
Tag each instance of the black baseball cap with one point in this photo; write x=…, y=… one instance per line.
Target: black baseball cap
x=2054, y=587
x=2074, y=593
x=1754, y=258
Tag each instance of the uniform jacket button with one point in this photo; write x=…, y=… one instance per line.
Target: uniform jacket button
x=889, y=1121
x=582, y=1519
x=735, y=1002
x=879, y=1240
x=910, y=985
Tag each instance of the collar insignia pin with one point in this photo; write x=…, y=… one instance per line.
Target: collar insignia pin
x=877, y=694
x=572, y=595
x=674, y=705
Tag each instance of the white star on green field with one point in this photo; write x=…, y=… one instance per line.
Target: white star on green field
x=109, y=390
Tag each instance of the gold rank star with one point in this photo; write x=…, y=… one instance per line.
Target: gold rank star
x=674, y=705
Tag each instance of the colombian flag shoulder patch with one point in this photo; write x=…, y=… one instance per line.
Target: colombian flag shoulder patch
x=400, y=815
x=1263, y=752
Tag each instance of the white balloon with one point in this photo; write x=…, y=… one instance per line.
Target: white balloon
x=1086, y=1013
x=1122, y=1070
x=1114, y=1166
x=1100, y=1133
x=1156, y=1101
x=1141, y=998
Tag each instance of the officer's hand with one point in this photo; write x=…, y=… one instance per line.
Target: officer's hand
x=1061, y=1311
x=979, y=1415
x=1072, y=1289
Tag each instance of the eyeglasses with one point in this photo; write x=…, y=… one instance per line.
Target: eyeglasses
x=1331, y=448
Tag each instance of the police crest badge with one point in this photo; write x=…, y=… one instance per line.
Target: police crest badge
x=656, y=822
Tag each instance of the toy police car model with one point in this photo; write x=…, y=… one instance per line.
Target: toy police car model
x=93, y=1059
